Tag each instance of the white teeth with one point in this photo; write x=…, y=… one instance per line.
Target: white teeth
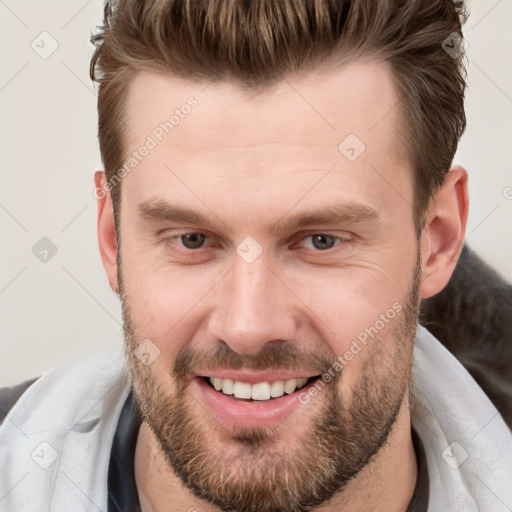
x=261, y=391
x=301, y=383
x=258, y=391
x=290, y=386
x=242, y=390
x=227, y=386
x=277, y=389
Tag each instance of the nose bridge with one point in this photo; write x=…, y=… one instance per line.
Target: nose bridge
x=253, y=308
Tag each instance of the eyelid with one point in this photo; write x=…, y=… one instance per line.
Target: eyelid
x=339, y=239
x=208, y=237
x=165, y=236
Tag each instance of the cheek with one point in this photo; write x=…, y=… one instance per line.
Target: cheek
x=164, y=307
x=343, y=302
x=356, y=310
x=377, y=352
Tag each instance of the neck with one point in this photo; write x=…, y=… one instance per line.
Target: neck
x=386, y=483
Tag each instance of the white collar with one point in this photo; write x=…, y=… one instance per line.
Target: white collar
x=71, y=415
x=467, y=443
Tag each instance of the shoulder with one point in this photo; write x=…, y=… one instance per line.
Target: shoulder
x=472, y=318
x=10, y=395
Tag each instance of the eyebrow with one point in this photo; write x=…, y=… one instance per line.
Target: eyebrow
x=329, y=216
x=158, y=209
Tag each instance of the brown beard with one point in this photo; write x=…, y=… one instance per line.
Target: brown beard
x=253, y=474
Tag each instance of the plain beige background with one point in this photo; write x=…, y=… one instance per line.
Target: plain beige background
x=53, y=310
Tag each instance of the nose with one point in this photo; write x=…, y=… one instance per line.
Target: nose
x=253, y=308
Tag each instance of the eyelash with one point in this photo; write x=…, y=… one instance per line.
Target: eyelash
x=338, y=240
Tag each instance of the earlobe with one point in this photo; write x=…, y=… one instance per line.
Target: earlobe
x=443, y=235
x=106, y=229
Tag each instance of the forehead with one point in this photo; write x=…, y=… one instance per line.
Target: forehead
x=358, y=98
x=221, y=136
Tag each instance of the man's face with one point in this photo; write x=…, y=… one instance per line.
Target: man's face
x=255, y=251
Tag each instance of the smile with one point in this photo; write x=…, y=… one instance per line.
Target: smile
x=244, y=399
x=257, y=391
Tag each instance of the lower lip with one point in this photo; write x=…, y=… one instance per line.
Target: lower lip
x=248, y=414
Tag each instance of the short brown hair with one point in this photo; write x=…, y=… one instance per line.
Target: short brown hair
x=254, y=43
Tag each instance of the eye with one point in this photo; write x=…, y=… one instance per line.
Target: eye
x=192, y=240
x=321, y=241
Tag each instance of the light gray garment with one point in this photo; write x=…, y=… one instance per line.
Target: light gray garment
x=55, y=443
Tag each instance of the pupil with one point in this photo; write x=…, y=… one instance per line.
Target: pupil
x=323, y=241
x=193, y=240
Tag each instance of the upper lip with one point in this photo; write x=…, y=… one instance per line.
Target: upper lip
x=255, y=376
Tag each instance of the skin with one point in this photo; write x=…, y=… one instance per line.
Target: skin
x=248, y=161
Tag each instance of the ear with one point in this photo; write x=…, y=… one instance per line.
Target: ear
x=106, y=228
x=442, y=238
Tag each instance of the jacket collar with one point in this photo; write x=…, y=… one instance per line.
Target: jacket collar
x=56, y=441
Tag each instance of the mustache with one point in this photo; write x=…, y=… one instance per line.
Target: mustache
x=275, y=356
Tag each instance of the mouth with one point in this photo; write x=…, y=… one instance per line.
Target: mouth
x=259, y=391
x=264, y=401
